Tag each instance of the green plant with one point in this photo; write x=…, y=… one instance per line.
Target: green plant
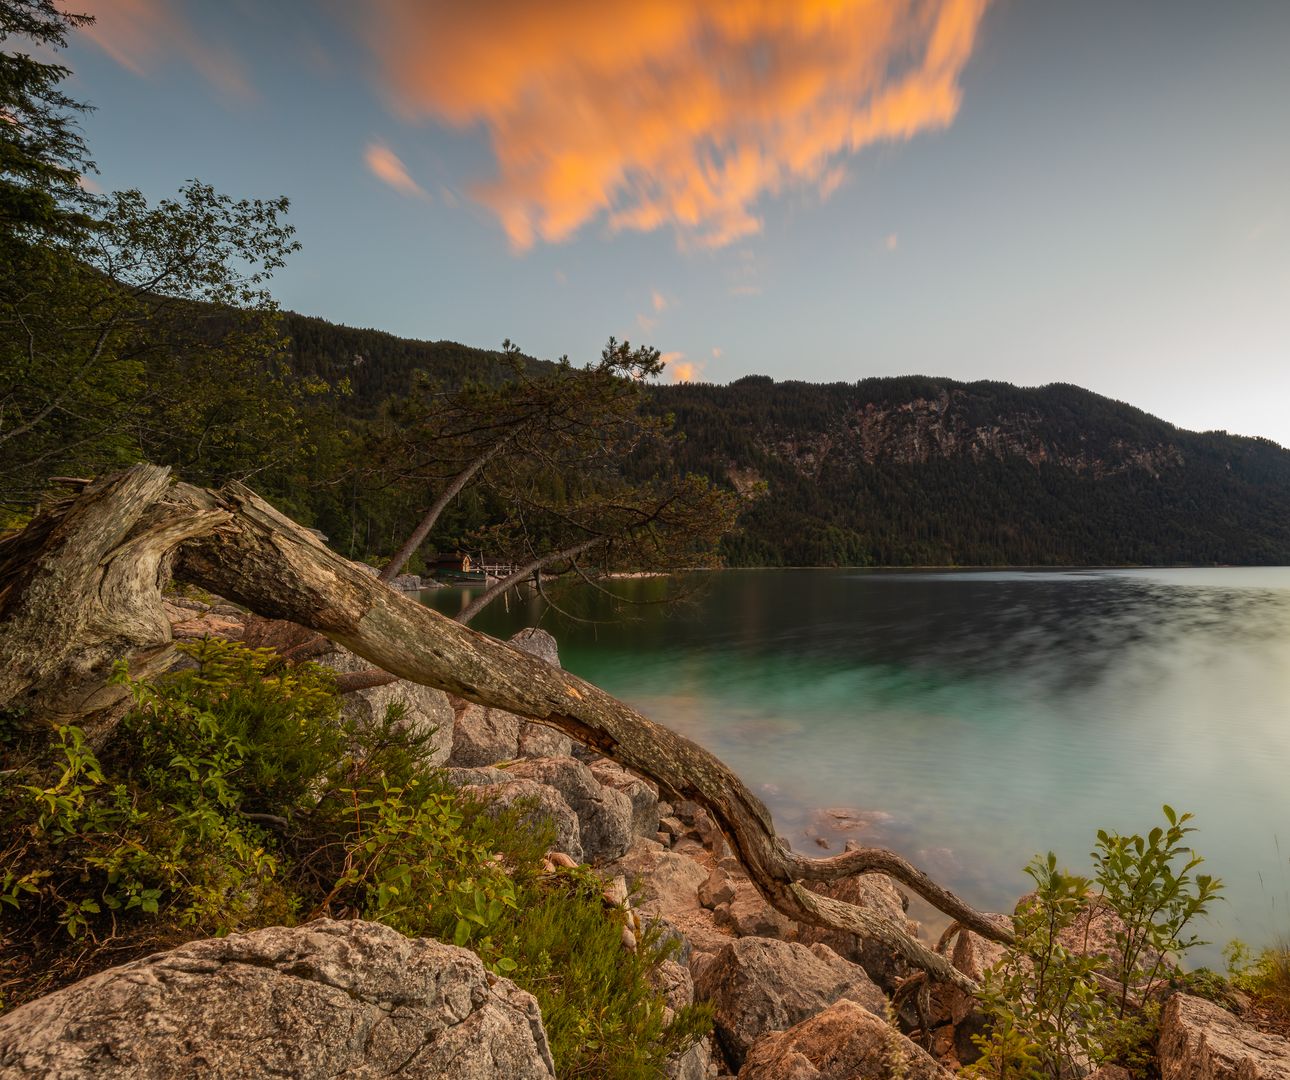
x=602, y=1014
x=235, y=795
x=1265, y=976
x=1042, y=997
x=1149, y=884
x=1061, y=997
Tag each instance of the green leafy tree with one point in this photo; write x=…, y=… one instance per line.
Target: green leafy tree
x=547, y=455
x=128, y=329
x=150, y=334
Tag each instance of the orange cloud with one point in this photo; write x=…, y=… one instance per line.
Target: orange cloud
x=674, y=113
x=140, y=35
x=387, y=167
x=681, y=369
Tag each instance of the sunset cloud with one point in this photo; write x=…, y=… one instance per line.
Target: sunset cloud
x=675, y=114
x=388, y=167
x=145, y=35
x=680, y=369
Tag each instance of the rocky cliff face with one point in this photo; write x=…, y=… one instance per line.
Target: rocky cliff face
x=928, y=429
x=944, y=427
x=917, y=471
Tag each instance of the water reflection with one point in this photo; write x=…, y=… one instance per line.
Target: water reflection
x=971, y=720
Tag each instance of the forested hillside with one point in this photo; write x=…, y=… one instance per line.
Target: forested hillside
x=378, y=366
x=919, y=471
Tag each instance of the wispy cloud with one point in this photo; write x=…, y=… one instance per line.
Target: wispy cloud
x=678, y=114
x=388, y=167
x=145, y=35
x=892, y=242
x=658, y=300
x=831, y=181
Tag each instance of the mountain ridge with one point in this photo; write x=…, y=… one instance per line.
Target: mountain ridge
x=918, y=470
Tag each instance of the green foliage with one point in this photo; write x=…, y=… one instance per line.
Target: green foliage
x=1044, y=1004
x=1264, y=976
x=233, y=795
x=601, y=1013
x=1148, y=883
x=250, y=732
x=1060, y=996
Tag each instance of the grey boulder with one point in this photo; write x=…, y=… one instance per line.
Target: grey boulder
x=322, y=1000
x=426, y=711
x=538, y=740
x=483, y=736
x=537, y=643
x=604, y=814
x=538, y=803
x=641, y=793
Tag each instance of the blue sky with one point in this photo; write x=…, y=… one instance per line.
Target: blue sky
x=1096, y=193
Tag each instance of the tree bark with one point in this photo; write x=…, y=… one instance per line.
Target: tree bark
x=234, y=544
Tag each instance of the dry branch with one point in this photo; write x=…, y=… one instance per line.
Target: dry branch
x=234, y=544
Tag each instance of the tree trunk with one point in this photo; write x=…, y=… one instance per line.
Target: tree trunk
x=414, y=541
x=81, y=586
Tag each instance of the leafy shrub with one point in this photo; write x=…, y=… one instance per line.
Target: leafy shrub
x=601, y=1012
x=1055, y=1002
x=234, y=796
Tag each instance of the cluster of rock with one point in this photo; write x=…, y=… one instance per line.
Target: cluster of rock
x=790, y=1002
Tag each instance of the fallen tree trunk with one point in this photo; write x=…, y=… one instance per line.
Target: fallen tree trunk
x=83, y=582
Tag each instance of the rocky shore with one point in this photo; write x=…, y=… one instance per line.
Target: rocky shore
x=330, y=998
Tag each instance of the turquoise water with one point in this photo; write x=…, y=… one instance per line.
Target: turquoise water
x=971, y=720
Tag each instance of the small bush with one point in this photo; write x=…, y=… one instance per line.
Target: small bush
x=234, y=796
x=1054, y=1002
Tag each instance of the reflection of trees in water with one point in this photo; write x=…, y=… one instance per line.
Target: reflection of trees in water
x=1053, y=632
x=1063, y=634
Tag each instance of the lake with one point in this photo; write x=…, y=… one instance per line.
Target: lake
x=971, y=720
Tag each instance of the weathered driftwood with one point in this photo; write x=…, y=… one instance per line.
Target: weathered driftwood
x=81, y=588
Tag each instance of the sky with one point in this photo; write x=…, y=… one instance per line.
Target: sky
x=1032, y=191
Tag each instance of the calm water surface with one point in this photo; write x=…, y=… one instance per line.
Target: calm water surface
x=971, y=720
